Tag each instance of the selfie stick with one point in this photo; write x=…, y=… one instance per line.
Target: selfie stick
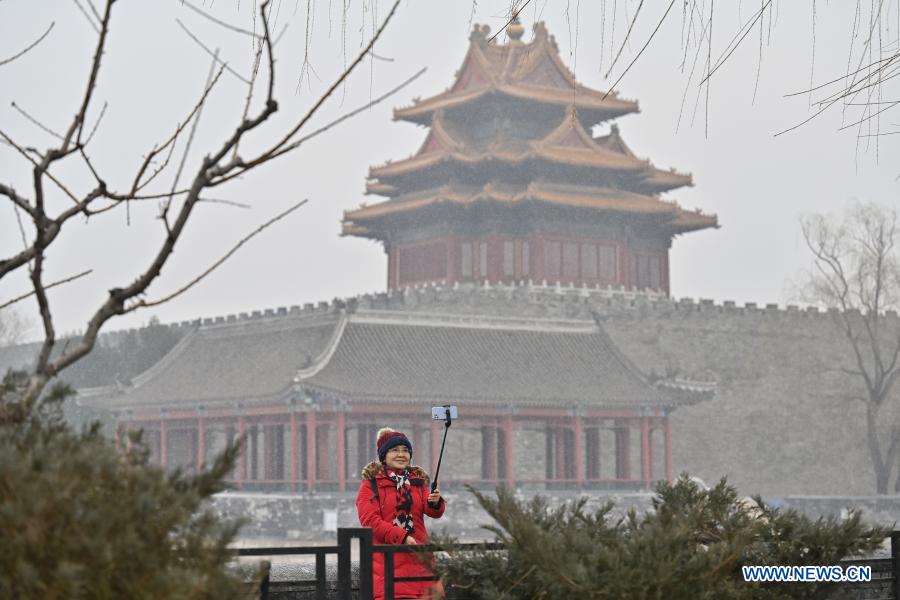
x=437, y=469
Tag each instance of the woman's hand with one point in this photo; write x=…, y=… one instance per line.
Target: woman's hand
x=434, y=498
x=410, y=541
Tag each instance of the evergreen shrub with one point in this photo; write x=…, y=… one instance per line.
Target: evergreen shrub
x=81, y=519
x=690, y=546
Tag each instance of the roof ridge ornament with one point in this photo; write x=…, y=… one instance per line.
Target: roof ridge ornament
x=480, y=34
x=515, y=29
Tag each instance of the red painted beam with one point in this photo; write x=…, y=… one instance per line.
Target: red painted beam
x=163, y=444
x=578, y=431
x=242, y=461
x=311, y=439
x=295, y=452
x=340, y=434
x=667, y=433
x=508, y=450
x=201, y=443
x=435, y=444
x=646, y=457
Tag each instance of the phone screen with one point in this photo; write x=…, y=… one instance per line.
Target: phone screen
x=439, y=413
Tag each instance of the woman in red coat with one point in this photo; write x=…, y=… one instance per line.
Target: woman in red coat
x=392, y=500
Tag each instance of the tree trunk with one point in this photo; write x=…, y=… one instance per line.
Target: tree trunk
x=882, y=470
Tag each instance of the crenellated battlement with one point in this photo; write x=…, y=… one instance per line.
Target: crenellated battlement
x=527, y=298
x=552, y=300
x=572, y=301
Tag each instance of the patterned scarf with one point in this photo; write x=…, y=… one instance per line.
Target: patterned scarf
x=402, y=518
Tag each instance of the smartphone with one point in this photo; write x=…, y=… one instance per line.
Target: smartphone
x=439, y=413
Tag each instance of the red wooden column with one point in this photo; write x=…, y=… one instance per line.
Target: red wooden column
x=341, y=435
x=163, y=441
x=201, y=440
x=311, y=439
x=268, y=451
x=508, y=449
x=242, y=463
x=623, y=449
x=416, y=440
x=578, y=434
x=489, y=452
x=295, y=452
x=667, y=435
x=592, y=452
x=646, y=457
x=435, y=443
x=559, y=440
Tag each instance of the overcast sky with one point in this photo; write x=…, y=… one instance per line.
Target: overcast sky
x=757, y=184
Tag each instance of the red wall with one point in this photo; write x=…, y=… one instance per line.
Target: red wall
x=440, y=261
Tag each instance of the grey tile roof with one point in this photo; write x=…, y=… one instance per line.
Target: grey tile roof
x=484, y=360
x=246, y=361
x=385, y=356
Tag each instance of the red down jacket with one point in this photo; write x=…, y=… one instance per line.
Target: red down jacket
x=377, y=513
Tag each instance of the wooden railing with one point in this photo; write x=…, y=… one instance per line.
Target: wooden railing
x=885, y=583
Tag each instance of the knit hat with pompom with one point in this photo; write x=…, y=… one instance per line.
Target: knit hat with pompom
x=387, y=438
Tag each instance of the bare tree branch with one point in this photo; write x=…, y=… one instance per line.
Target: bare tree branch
x=215, y=265
x=96, y=125
x=215, y=55
x=35, y=122
x=29, y=47
x=190, y=141
x=625, y=40
x=647, y=43
x=221, y=23
x=300, y=141
x=19, y=201
x=78, y=122
x=24, y=152
x=137, y=184
x=839, y=79
x=736, y=41
x=46, y=287
x=242, y=167
x=93, y=8
x=87, y=16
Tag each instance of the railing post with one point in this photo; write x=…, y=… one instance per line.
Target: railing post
x=388, y=575
x=266, y=568
x=321, y=577
x=365, y=564
x=344, y=575
x=345, y=585
x=895, y=564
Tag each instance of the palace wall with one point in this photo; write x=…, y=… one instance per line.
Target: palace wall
x=782, y=422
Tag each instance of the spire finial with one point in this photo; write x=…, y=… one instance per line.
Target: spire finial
x=515, y=29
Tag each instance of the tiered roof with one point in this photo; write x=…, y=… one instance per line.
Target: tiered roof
x=531, y=72
x=568, y=144
x=669, y=215
x=480, y=149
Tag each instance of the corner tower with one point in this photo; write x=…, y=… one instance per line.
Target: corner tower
x=510, y=184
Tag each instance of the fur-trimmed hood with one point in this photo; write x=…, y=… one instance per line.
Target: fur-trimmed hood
x=374, y=468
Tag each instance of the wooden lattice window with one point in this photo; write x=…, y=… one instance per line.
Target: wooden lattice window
x=423, y=262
